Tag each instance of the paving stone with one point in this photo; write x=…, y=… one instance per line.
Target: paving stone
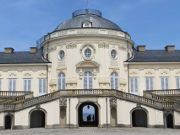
x=93, y=131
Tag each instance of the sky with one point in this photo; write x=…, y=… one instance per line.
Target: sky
x=154, y=23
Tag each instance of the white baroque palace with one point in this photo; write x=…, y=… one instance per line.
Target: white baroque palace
x=87, y=72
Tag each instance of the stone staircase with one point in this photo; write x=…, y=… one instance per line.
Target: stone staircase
x=14, y=101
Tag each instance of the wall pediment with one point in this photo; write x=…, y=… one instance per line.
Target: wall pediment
x=87, y=64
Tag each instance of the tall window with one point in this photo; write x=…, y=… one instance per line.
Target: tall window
x=133, y=85
x=149, y=83
x=42, y=86
x=27, y=84
x=12, y=84
x=114, y=80
x=88, y=80
x=164, y=83
x=178, y=82
x=61, y=81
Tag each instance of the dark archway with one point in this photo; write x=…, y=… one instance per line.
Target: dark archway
x=8, y=122
x=88, y=115
x=139, y=118
x=37, y=119
x=169, y=121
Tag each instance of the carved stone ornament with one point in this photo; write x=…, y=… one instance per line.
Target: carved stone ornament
x=113, y=101
x=103, y=45
x=63, y=101
x=38, y=107
x=71, y=46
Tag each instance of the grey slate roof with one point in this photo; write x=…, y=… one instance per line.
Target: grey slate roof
x=90, y=15
x=22, y=58
x=156, y=56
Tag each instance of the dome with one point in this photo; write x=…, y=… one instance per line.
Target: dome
x=88, y=18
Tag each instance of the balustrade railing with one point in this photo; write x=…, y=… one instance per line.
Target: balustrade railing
x=13, y=93
x=165, y=92
x=24, y=102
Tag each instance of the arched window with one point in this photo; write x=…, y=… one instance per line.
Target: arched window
x=88, y=80
x=114, y=80
x=61, y=81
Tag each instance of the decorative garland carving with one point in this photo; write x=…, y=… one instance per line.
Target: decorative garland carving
x=63, y=101
x=113, y=101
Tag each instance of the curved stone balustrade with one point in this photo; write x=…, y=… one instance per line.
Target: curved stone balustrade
x=25, y=103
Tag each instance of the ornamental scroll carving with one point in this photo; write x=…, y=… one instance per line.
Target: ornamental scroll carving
x=63, y=101
x=113, y=101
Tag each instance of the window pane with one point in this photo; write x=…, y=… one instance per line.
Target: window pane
x=114, y=80
x=61, y=81
x=178, y=82
x=134, y=85
x=88, y=80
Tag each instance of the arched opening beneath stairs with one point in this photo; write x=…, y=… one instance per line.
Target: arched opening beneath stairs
x=8, y=121
x=139, y=118
x=169, y=121
x=88, y=115
x=37, y=119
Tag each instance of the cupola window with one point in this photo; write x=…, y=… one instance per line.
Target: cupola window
x=61, y=55
x=88, y=53
x=114, y=54
x=87, y=24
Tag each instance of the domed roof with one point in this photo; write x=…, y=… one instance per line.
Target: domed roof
x=88, y=18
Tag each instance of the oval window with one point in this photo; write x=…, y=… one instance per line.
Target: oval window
x=113, y=54
x=61, y=55
x=88, y=53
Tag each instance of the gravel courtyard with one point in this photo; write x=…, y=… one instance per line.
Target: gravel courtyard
x=93, y=131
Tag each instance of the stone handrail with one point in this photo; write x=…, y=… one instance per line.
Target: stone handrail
x=165, y=92
x=10, y=97
x=13, y=93
x=95, y=93
x=154, y=96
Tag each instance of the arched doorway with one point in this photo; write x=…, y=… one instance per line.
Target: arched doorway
x=139, y=118
x=37, y=119
x=8, y=122
x=88, y=115
x=169, y=121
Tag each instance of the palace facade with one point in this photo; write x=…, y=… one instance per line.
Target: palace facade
x=88, y=72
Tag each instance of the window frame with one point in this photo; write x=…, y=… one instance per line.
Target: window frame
x=12, y=84
x=134, y=85
x=164, y=82
x=114, y=80
x=149, y=81
x=59, y=55
x=27, y=84
x=178, y=82
x=61, y=81
x=88, y=80
x=112, y=56
x=42, y=86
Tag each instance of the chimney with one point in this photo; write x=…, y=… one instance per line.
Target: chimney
x=33, y=49
x=8, y=50
x=141, y=48
x=170, y=48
